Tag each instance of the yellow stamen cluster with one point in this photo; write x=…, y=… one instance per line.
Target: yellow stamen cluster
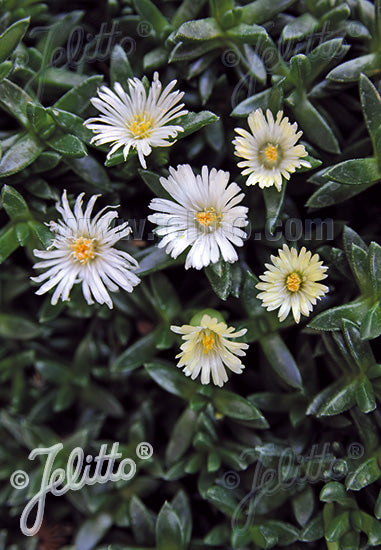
x=208, y=341
x=270, y=155
x=207, y=217
x=141, y=125
x=83, y=249
x=293, y=282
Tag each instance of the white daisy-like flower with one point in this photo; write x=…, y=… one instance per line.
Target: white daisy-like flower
x=208, y=349
x=269, y=151
x=82, y=252
x=205, y=216
x=291, y=283
x=136, y=119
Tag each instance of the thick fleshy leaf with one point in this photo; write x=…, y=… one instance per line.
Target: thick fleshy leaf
x=42, y=232
x=334, y=399
x=371, y=323
x=41, y=121
x=91, y=171
x=78, y=98
x=314, y=530
x=67, y=145
x=14, y=100
x=5, y=69
x=181, y=506
x=333, y=193
x=247, y=34
x=350, y=237
x=142, y=522
x=333, y=492
x=337, y=14
x=299, y=27
x=70, y=123
x=313, y=124
x=199, y=30
x=14, y=204
x=303, y=505
x=249, y=295
x=283, y=533
x=155, y=59
x=257, y=101
x=332, y=318
x=20, y=155
x=377, y=506
x=181, y=437
x=322, y=55
x=149, y=13
x=171, y=379
x=186, y=11
x=58, y=33
x=372, y=528
x=261, y=11
x=355, y=172
x=360, y=350
x=300, y=69
x=274, y=201
x=18, y=328
x=365, y=397
x=366, y=473
x=371, y=105
x=375, y=267
x=281, y=359
x=192, y=122
x=11, y=37
x=223, y=499
x=22, y=233
x=164, y=296
x=233, y=405
x=92, y=531
x=337, y=527
x=185, y=51
x=220, y=278
x=320, y=399
x=350, y=71
x=358, y=260
x=8, y=243
x=120, y=68
x=137, y=354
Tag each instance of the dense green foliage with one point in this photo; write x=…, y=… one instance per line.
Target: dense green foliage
x=286, y=454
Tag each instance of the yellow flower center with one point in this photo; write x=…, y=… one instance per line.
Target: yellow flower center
x=141, y=125
x=208, y=342
x=293, y=282
x=208, y=219
x=83, y=249
x=270, y=155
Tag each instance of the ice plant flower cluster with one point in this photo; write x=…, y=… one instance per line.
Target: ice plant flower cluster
x=136, y=119
x=269, y=150
x=83, y=252
x=290, y=283
x=203, y=215
x=208, y=349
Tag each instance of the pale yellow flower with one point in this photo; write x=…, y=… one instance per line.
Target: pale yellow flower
x=291, y=283
x=269, y=150
x=208, y=349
